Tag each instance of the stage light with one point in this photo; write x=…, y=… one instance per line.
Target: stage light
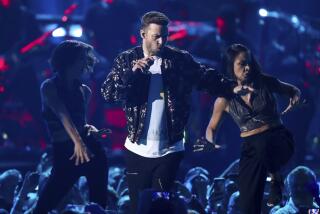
x=295, y=21
x=301, y=29
x=50, y=27
x=261, y=22
x=263, y=12
x=5, y=3
x=64, y=18
x=75, y=31
x=2, y=89
x=178, y=35
x=59, y=32
x=3, y=65
x=133, y=40
x=5, y=136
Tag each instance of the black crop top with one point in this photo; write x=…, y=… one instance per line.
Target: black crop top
x=264, y=108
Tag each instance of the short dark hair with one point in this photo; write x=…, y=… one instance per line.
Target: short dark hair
x=232, y=52
x=66, y=54
x=154, y=17
x=296, y=173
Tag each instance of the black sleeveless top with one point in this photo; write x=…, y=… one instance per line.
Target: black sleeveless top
x=264, y=108
x=74, y=102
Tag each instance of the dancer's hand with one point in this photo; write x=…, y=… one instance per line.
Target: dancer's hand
x=293, y=102
x=90, y=129
x=80, y=154
x=242, y=89
x=142, y=64
x=203, y=145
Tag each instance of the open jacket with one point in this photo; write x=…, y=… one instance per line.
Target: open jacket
x=180, y=73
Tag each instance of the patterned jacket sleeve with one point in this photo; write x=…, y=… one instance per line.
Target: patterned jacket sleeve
x=113, y=88
x=121, y=83
x=209, y=79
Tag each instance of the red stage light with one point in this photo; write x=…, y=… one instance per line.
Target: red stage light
x=25, y=118
x=115, y=117
x=64, y=18
x=5, y=3
x=70, y=9
x=221, y=24
x=307, y=64
x=133, y=40
x=42, y=143
x=38, y=41
x=178, y=35
x=3, y=65
x=2, y=89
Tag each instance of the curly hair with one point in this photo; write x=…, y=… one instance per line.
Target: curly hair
x=66, y=54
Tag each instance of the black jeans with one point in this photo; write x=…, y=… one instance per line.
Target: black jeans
x=146, y=173
x=261, y=153
x=65, y=173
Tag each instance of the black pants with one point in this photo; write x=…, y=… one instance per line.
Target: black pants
x=261, y=153
x=64, y=174
x=145, y=173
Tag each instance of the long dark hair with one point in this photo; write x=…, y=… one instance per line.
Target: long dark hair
x=232, y=52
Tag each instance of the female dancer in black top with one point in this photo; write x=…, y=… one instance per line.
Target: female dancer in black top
x=268, y=145
x=75, y=151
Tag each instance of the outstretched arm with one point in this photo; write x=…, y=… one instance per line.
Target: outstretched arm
x=208, y=79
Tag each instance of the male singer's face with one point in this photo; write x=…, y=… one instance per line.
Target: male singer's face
x=154, y=38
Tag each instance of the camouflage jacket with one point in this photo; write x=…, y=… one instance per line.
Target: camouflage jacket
x=180, y=73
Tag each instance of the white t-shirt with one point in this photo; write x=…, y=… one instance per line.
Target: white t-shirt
x=154, y=140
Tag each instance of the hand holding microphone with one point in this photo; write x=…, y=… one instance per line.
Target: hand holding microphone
x=142, y=64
